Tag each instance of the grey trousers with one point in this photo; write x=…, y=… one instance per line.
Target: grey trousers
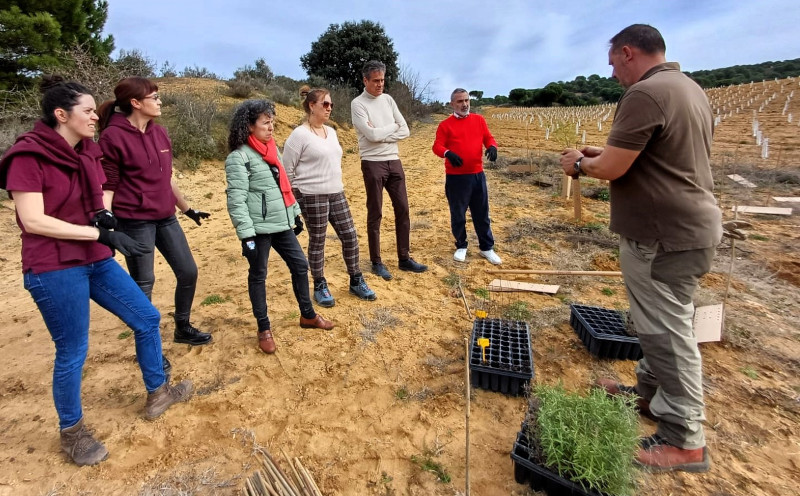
x=660, y=287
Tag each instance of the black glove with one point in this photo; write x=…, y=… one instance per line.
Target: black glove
x=491, y=153
x=249, y=249
x=454, y=159
x=122, y=242
x=298, y=225
x=196, y=215
x=104, y=219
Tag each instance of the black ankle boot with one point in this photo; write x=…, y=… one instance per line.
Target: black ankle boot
x=188, y=334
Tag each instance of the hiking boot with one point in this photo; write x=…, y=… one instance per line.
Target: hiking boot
x=322, y=294
x=381, y=270
x=658, y=455
x=165, y=396
x=460, y=255
x=614, y=388
x=411, y=266
x=358, y=286
x=266, y=342
x=317, y=322
x=189, y=334
x=79, y=443
x=491, y=256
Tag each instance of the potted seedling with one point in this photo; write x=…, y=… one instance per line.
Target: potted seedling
x=573, y=444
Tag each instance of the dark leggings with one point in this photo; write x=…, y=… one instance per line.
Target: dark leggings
x=168, y=237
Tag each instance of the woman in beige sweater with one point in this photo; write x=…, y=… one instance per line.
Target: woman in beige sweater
x=312, y=156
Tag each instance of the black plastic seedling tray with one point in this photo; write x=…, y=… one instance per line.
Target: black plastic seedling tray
x=603, y=332
x=509, y=360
x=540, y=478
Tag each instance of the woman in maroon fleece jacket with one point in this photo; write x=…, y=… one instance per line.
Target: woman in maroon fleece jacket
x=137, y=160
x=54, y=176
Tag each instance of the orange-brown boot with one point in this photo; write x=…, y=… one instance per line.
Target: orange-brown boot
x=266, y=342
x=318, y=322
x=657, y=455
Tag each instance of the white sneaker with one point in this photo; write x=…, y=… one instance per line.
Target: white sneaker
x=491, y=256
x=460, y=255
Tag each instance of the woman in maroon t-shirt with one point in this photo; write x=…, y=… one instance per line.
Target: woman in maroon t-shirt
x=137, y=159
x=54, y=176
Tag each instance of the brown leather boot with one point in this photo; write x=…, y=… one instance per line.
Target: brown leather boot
x=318, y=322
x=613, y=388
x=657, y=455
x=164, y=397
x=77, y=441
x=266, y=342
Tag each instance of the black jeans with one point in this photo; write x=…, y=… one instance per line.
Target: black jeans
x=167, y=236
x=286, y=245
x=465, y=191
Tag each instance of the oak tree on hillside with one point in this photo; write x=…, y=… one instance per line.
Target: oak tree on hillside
x=33, y=32
x=340, y=52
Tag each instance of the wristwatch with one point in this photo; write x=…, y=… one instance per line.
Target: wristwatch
x=577, y=166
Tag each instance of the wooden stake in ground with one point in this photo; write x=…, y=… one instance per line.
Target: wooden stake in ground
x=557, y=272
x=576, y=196
x=466, y=368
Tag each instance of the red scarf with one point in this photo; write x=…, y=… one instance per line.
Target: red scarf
x=269, y=151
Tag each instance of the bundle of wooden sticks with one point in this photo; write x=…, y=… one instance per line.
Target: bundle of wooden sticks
x=270, y=480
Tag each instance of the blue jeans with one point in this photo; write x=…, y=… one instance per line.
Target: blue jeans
x=285, y=243
x=63, y=300
x=469, y=191
x=168, y=237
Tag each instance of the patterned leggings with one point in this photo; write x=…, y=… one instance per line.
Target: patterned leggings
x=318, y=210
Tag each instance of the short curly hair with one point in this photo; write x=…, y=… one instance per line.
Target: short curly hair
x=245, y=116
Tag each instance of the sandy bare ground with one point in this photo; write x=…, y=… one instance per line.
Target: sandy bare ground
x=386, y=384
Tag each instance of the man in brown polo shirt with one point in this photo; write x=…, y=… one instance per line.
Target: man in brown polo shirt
x=662, y=206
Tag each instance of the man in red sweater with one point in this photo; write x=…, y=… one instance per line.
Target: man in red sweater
x=460, y=140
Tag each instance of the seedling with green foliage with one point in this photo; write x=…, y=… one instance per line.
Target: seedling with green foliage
x=518, y=311
x=428, y=464
x=214, y=299
x=750, y=372
x=591, y=440
x=607, y=291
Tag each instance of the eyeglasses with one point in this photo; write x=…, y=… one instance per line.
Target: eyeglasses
x=154, y=97
x=327, y=105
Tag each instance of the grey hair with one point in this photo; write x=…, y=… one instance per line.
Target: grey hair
x=456, y=92
x=245, y=116
x=372, y=66
x=642, y=36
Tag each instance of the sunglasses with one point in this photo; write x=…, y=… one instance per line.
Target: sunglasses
x=326, y=105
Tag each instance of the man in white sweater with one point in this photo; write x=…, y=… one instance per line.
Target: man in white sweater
x=380, y=125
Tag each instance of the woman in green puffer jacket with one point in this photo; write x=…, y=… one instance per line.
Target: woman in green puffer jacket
x=265, y=214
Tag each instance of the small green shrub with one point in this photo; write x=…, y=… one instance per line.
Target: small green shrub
x=451, y=280
x=591, y=440
x=240, y=88
x=214, y=299
x=607, y=291
x=125, y=334
x=750, y=372
x=758, y=237
x=428, y=464
x=482, y=293
x=518, y=311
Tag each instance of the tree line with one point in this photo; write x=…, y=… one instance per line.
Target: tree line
x=594, y=90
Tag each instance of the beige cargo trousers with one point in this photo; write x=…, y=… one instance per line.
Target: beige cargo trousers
x=660, y=287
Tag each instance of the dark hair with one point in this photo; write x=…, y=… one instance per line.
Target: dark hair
x=314, y=96
x=126, y=90
x=372, y=66
x=245, y=116
x=59, y=93
x=642, y=36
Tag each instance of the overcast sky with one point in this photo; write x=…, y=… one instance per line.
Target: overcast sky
x=492, y=46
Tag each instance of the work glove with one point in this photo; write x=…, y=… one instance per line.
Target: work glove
x=105, y=219
x=249, y=249
x=298, y=225
x=491, y=153
x=122, y=242
x=454, y=159
x=196, y=215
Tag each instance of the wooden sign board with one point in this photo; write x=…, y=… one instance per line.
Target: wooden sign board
x=749, y=209
x=507, y=286
x=788, y=199
x=707, y=323
x=740, y=180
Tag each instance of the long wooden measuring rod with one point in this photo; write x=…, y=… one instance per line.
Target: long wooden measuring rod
x=557, y=272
